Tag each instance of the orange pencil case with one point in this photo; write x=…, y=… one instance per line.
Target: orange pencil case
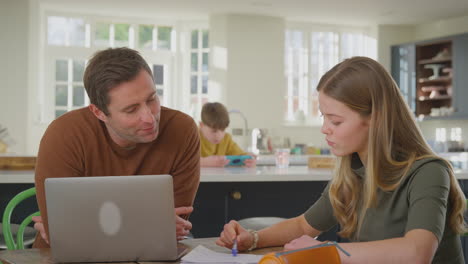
x=326, y=253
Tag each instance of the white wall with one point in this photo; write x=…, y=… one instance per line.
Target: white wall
x=14, y=28
x=253, y=80
x=388, y=35
x=445, y=27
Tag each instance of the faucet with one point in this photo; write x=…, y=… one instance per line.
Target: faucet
x=236, y=111
x=255, y=136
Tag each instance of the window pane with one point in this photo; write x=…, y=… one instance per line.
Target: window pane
x=61, y=95
x=102, y=34
x=160, y=92
x=295, y=86
x=121, y=35
x=205, y=62
x=205, y=84
x=76, y=30
x=158, y=74
x=78, y=95
x=59, y=113
x=78, y=70
x=205, y=39
x=194, y=39
x=193, y=85
x=145, y=35
x=194, y=61
x=56, y=30
x=61, y=70
x=164, y=37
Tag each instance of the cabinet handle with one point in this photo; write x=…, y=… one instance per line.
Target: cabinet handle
x=236, y=195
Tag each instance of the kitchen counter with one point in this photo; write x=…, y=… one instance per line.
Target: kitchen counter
x=16, y=176
x=230, y=174
x=264, y=173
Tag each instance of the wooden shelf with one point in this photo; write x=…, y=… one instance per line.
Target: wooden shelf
x=440, y=79
x=430, y=61
x=432, y=88
x=438, y=98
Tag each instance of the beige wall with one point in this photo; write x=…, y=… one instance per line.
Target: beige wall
x=14, y=28
x=253, y=80
x=441, y=28
x=388, y=35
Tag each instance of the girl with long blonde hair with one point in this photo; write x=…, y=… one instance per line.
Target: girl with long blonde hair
x=394, y=199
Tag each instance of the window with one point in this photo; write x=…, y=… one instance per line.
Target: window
x=308, y=55
x=69, y=88
x=71, y=40
x=199, y=70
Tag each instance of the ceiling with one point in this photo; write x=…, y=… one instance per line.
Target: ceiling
x=352, y=12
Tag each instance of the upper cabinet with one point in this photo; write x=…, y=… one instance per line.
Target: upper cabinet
x=432, y=76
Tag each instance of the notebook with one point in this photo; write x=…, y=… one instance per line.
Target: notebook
x=112, y=218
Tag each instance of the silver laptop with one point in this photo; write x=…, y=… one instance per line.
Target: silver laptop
x=112, y=218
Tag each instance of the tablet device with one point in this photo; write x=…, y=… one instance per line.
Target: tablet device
x=237, y=160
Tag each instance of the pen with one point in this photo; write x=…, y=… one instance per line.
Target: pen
x=234, y=248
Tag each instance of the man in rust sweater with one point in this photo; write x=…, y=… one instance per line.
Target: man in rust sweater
x=124, y=131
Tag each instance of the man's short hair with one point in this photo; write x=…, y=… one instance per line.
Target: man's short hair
x=215, y=115
x=109, y=68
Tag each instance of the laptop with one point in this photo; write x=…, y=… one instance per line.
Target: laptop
x=112, y=218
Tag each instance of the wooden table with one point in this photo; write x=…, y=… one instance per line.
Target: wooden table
x=43, y=256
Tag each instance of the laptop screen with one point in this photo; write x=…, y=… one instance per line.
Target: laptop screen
x=111, y=218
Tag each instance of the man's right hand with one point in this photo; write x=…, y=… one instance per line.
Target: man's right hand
x=39, y=226
x=183, y=226
x=214, y=161
x=233, y=230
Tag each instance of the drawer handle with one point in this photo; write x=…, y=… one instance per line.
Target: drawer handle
x=236, y=195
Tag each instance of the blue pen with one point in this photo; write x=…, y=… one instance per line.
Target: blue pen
x=234, y=248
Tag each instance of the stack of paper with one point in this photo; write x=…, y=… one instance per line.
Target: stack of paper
x=201, y=254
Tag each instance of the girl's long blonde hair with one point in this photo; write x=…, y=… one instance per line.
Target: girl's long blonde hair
x=395, y=143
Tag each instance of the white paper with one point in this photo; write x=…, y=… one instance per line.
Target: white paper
x=201, y=254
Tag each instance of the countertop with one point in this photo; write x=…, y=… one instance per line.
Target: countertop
x=230, y=174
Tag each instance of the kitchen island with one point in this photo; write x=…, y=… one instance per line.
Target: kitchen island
x=232, y=193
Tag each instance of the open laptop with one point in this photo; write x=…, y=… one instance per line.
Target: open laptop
x=112, y=218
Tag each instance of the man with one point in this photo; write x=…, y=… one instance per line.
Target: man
x=124, y=131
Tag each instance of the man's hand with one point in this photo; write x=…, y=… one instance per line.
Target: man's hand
x=39, y=226
x=183, y=226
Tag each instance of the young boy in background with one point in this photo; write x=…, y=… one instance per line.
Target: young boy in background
x=215, y=143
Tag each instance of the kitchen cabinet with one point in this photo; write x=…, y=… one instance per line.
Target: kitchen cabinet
x=217, y=203
x=432, y=76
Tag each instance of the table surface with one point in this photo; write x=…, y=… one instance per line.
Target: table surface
x=43, y=256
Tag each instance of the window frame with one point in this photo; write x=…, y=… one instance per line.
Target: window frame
x=307, y=92
x=177, y=87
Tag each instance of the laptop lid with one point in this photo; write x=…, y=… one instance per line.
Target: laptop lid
x=111, y=218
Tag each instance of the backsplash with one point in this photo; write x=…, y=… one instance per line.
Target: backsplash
x=446, y=135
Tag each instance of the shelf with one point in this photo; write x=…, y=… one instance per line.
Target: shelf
x=440, y=79
x=438, y=98
x=429, y=61
x=432, y=88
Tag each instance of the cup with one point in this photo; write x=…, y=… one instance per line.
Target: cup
x=282, y=157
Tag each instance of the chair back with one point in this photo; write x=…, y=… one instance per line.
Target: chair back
x=6, y=221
